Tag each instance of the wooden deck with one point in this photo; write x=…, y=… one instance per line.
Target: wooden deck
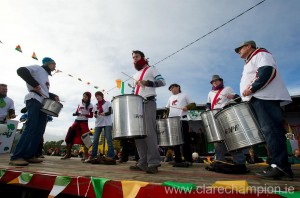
x=195, y=174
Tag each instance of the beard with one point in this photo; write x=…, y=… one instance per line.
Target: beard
x=2, y=95
x=140, y=64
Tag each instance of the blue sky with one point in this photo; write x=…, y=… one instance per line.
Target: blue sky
x=93, y=41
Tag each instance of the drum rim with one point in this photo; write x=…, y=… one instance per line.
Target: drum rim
x=46, y=99
x=223, y=110
x=119, y=96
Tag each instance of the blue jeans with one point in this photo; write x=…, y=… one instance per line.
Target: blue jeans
x=269, y=116
x=108, y=136
x=33, y=133
x=221, y=149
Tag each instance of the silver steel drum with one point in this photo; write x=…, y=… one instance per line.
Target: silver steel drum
x=239, y=126
x=51, y=107
x=211, y=126
x=169, y=131
x=128, y=117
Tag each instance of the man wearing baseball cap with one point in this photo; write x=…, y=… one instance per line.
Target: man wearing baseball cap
x=262, y=86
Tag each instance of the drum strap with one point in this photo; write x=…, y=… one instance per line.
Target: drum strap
x=141, y=78
x=215, y=99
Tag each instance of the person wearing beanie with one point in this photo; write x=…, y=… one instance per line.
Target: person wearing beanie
x=80, y=126
x=38, y=85
x=102, y=112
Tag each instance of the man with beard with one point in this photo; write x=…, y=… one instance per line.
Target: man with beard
x=7, y=109
x=148, y=79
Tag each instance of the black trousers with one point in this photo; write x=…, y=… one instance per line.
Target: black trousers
x=186, y=149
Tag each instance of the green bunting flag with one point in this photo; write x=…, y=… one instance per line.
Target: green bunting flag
x=295, y=194
x=187, y=187
x=98, y=184
x=61, y=182
x=23, y=178
x=2, y=172
x=122, y=88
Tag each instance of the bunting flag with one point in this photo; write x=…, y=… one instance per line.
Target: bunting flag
x=119, y=83
x=24, y=178
x=18, y=48
x=294, y=194
x=186, y=187
x=96, y=87
x=122, y=88
x=2, y=172
x=98, y=184
x=131, y=188
x=88, y=83
x=61, y=182
x=70, y=75
x=34, y=56
x=1, y=42
x=79, y=79
x=240, y=186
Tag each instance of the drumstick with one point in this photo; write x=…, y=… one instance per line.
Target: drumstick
x=176, y=107
x=226, y=96
x=128, y=76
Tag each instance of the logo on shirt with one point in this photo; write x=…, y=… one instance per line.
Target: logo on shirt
x=174, y=102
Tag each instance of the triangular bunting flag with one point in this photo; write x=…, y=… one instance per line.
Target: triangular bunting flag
x=295, y=194
x=88, y=83
x=79, y=79
x=70, y=75
x=1, y=42
x=23, y=178
x=34, y=56
x=98, y=184
x=96, y=87
x=18, y=48
x=131, y=188
x=119, y=83
x=61, y=182
x=186, y=187
x=2, y=172
x=240, y=186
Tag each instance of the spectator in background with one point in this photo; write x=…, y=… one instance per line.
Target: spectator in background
x=7, y=109
x=252, y=158
x=295, y=159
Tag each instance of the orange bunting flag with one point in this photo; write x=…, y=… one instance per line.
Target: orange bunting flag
x=70, y=75
x=18, y=48
x=119, y=83
x=79, y=79
x=34, y=56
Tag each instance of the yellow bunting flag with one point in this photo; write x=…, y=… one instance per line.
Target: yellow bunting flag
x=18, y=48
x=131, y=188
x=119, y=83
x=34, y=56
x=240, y=186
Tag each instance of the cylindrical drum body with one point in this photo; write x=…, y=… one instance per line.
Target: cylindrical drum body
x=211, y=126
x=128, y=117
x=239, y=126
x=169, y=131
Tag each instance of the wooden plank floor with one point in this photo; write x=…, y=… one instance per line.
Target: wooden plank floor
x=195, y=174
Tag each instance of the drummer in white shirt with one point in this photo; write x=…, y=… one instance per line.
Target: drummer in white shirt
x=178, y=105
x=218, y=98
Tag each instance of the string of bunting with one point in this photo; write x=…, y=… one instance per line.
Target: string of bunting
x=131, y=188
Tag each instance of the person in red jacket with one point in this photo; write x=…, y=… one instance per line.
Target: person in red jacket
x=80, y=126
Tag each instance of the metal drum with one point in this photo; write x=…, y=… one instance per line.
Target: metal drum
x=211, y=126
x=239, y=127
x=169, y=131
x=51, y=107
x=128, y=116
